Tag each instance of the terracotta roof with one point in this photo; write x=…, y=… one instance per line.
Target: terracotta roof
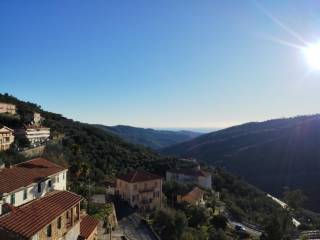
x=30, y=218
x=195, y=194
x=191, y=172
x=87, y=226
x=25, y=173
x=138, y=176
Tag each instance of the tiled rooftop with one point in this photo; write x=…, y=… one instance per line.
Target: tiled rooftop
x=30, y=218
x=25, y=173
x=87, y=226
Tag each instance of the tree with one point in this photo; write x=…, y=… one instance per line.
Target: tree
x=294, y=198
x=277, y=226
x=219, y=221
x=170, y=224
x=217, y=235
x=197, y=216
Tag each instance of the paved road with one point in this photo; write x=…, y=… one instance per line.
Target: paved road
x=134, y=229
x=251, y=231
x=129, y=223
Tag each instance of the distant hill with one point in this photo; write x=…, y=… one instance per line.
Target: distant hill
x=148, y=137
x=83, y=147
x=273, y=155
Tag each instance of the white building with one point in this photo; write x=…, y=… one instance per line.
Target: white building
x=190, y=176
x=30, y=180
x=36, y=135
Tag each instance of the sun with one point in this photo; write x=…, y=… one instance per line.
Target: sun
x=312, y=54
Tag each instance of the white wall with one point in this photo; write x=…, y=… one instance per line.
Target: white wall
x=32, y=190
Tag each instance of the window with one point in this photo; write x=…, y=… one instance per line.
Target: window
x=156, y=184
x=63, y=176
x=39, y=187
x=50, y=183
x=58, y=178
x=49, y=231
x=135, y=187
x=13, y=198
x=68, y=215
x=59, y=223
x=133, y=198
x=25, y=193
x=145, y=185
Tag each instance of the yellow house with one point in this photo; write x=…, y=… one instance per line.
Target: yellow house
x=140, y=189
x=6, y=138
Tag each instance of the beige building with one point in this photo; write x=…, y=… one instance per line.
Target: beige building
x=34, y=118
x=6, y=138
x=140, y=189
x=8, y=108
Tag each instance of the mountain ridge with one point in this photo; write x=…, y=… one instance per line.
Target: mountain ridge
x=273, y=155
x=148, y=137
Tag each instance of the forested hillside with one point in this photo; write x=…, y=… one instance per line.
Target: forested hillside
x=151, y=138
x=86, y=149
x=274, y=155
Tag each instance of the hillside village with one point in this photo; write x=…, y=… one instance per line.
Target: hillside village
x=43, y=196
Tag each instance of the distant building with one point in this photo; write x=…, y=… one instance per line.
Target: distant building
x=30, y=180
x=34, y=118
x=195, y=197
x=6, y=138
x=37, y=135
x=190, y=176
x=8, y=108
x=52, y=217
x=140, y=189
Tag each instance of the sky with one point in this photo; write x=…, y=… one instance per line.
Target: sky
x=161, y=64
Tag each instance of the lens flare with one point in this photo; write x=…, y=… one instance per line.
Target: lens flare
x=312, y=54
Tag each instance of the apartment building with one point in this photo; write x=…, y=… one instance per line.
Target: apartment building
x=30, y=180
x=8, y=108
x=36, y=135
x=52, y=217
x=190, y=176
x=140, y=189
x=6, y=137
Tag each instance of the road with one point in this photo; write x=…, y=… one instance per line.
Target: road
x=251, y=231
x=130, y=225
x=134, y=229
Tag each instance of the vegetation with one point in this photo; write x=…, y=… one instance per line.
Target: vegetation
x=272, y=155
x=155, y=139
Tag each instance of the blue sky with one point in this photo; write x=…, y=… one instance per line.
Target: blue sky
x=163, y=64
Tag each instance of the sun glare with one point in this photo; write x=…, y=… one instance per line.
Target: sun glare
x=312, y=54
